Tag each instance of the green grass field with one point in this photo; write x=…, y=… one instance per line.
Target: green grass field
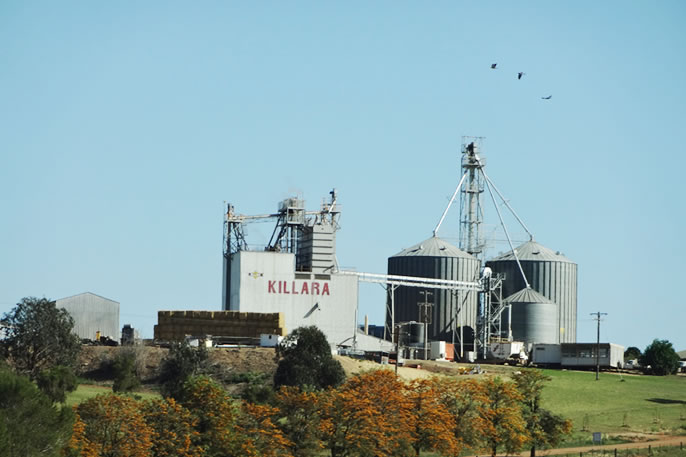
x=618, y=404
x=86, y=391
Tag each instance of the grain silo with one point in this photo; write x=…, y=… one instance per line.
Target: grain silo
x=548, y=272
x=534, y=317
x=438, y=259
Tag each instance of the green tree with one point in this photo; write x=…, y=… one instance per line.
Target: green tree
x=306, y=360
x=543, y=427
x=55, y=382
x=216, y=414
x=38, y=336
x=30, y=424
x=125, y=376
x=632, y=353
x=257, y=387
x=661, y=357
x=182, y=362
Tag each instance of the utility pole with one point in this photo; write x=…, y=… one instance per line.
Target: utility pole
x=396, y=334
x=597, y=348
x=425, y=316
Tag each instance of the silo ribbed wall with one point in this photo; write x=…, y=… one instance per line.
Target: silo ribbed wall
x=534, y=322
x=557, y=281
x=445, y=302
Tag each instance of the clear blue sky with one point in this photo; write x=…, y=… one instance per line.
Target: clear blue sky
x=124, y=126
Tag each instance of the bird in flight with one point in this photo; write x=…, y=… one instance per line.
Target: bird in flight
x=547, y=98
x=493, y=65
x=520, y=74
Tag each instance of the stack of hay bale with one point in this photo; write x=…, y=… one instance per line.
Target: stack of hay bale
x=177, y=325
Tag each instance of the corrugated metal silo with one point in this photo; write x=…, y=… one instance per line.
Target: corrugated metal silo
x=436, y=258
x=549, y=273
x=534, y=317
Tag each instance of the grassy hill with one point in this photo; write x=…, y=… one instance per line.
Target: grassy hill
x=618, y=404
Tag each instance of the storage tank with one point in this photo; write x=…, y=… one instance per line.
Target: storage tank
x=534, y=317
x=438, y=259
x=412, y=333
x=549, y=273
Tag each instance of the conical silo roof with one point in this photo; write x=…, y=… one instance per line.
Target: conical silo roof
x=534, y=317
x=527, y=295
x=531, y=250
x=433, y=247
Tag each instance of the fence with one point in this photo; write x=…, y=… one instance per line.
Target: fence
x=623, y=450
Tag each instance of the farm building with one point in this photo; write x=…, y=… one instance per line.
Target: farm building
x=578, y=355
x=295, y=274
x=94, y=316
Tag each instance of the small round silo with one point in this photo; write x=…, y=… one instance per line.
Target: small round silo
x=438, y=259
x=414, y=333
x=549, y=273
x=534, y=317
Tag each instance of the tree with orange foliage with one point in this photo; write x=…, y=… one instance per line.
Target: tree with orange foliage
x=257, y=433
x=369, y=415
x=432, y=423
x=300, y=420
x=543, y=427
x=110, y=426
x=503, y=424
x=216, y=415
x=463, y=399
x=173, y=429
x=79, y=445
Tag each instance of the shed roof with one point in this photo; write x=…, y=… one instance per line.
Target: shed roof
x=531, y=250
x=527, y=295
x=83, y=294
x=433, y=247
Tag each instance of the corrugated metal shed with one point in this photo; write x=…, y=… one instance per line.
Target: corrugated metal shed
x=436, y=258
x=549, y=273
x=92, y=313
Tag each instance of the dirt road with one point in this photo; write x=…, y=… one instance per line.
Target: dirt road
x=661, y=440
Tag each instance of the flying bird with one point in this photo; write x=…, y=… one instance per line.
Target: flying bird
x=520, y=74
x=547, y=98
x=493, y=65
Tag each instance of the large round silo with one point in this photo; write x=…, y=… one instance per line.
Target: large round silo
x=438, y=259
x=551, y=274
x=534, y=317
